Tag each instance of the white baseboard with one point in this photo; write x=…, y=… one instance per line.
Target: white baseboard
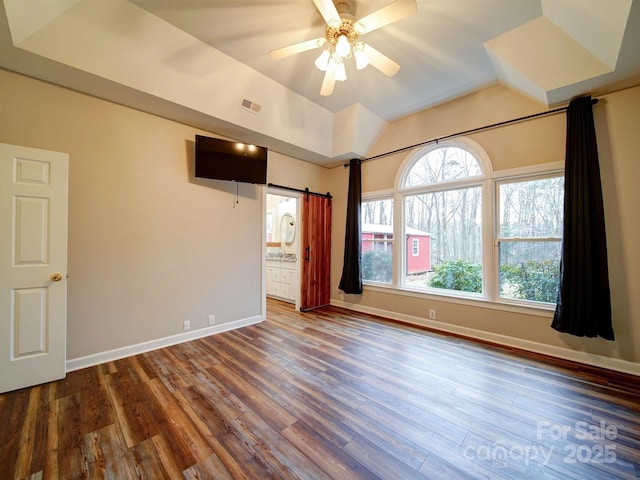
x=118, y=353
x=600, y=361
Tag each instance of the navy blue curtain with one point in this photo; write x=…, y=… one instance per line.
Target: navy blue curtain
x=351, y=281
x=584, y=301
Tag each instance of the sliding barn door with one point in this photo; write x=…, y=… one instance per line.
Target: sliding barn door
x=316, y=264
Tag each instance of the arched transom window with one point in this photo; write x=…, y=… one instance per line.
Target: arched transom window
x=441, y=164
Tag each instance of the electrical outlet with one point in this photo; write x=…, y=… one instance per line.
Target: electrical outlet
x=212, y=319
x=186, y=325
x=432, y=314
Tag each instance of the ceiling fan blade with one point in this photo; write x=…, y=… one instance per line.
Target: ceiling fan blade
x=391, y=13
x=381, y=61
x=296, y=48
x=329, y=80
x=329, y=12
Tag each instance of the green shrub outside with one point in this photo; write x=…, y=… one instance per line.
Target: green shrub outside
x=376, y=266
x=532, y=280
x=458, y=275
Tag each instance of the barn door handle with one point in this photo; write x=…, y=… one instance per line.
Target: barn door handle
x=308, y=253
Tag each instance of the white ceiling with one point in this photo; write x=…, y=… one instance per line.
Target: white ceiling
x=195, y=60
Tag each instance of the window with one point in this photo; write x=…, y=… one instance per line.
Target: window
x=529, y=238
x=444, y=203
x=377, y=240
x=467, y=231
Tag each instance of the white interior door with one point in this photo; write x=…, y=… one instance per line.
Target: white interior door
x=33, y=266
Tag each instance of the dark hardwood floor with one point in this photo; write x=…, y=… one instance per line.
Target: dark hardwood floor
x=324, y=394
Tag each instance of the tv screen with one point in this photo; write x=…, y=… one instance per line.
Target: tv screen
x=226, y=160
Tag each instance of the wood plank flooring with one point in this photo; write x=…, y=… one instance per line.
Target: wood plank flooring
x=327, y=394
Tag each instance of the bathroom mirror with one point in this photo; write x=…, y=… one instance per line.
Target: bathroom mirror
x=287, y=229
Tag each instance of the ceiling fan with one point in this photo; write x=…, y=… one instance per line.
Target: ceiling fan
x=341, y=40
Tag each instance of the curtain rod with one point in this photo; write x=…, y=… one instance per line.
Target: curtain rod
x=306, y=191
x=473, y=130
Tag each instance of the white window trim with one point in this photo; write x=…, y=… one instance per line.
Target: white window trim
x=489, y=183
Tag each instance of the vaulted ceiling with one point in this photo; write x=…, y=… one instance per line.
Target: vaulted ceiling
x=205, y=62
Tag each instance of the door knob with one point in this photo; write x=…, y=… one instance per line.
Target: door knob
x=56, y=277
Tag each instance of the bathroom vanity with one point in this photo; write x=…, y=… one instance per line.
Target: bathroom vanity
x=282, y=276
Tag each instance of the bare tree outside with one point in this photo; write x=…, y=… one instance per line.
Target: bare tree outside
x=377, y=212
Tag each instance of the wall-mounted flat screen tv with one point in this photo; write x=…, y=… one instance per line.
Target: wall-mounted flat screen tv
x=226, y=160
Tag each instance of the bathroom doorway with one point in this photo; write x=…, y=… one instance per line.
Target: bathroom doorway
x=283, y=239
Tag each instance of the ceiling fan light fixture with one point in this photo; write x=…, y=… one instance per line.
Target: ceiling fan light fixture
x=341, y=40
x=361, y=58
x=322, y=61
x=341, y=73
x=343, y=46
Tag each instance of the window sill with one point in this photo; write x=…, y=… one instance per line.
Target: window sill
x=540, y=310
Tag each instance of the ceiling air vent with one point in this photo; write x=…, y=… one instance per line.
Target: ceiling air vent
x=250, y=105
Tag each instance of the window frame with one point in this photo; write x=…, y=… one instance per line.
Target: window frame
x=489, y=183
x=518, y=178
x=381, y=196
x=477, y=181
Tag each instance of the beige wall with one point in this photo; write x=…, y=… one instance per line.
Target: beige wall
x=149, y=244
x=520, y=145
